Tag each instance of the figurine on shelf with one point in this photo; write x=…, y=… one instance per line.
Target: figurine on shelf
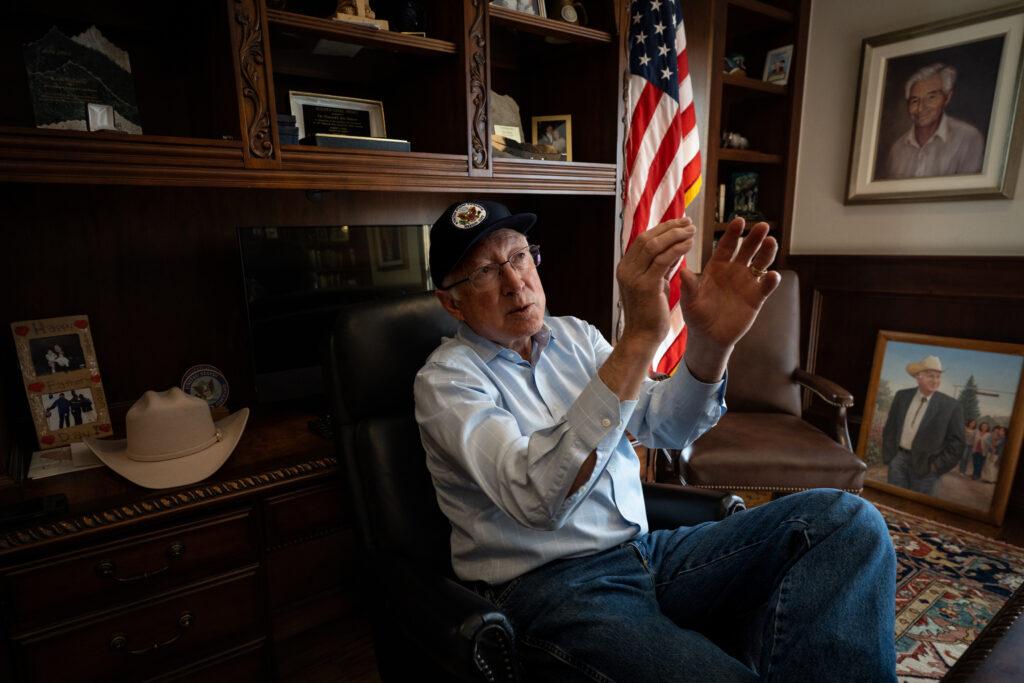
x=735, y=63
x=732, y=140
x=358, y=12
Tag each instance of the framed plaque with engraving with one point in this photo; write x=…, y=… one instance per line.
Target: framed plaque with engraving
x=334, y=115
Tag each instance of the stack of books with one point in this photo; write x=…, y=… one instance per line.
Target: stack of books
x=287, y=129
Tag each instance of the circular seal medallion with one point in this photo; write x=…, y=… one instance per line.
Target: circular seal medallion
x=569, y=14
x=468, y=215
x=206, y=382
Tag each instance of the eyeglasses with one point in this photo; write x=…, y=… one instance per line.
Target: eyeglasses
x=486, y=276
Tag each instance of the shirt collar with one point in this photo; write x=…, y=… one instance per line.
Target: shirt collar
x=488, y=350
x=942, y=133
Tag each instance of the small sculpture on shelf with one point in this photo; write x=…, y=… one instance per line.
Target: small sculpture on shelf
x=358, y=12
x=732, y=140
x=736, y=63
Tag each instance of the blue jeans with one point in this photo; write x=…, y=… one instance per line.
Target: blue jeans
x=800, y=589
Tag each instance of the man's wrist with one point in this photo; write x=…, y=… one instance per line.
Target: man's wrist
x=706, y=360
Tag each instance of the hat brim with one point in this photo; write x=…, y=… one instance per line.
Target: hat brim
x=182, y=471
x=914, y=368
x=520, y=222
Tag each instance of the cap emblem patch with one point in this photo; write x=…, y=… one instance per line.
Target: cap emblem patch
x=468, y=216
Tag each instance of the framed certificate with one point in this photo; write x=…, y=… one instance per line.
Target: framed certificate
x=315, y=113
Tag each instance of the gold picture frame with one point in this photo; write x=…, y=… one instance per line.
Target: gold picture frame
x=555, y=131
x=62, y=379
x=976, y=400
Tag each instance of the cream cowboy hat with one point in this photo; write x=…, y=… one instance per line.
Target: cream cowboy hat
x=929, y=363
x=172, y=440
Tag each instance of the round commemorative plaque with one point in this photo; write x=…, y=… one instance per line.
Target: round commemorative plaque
x=206, y=382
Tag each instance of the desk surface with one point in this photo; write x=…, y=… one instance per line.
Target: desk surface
x=276, y=449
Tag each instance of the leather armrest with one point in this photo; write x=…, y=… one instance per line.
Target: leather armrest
x=466, y=633
x=828, y=390
x=670, y=506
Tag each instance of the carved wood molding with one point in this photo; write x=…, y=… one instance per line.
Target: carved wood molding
x=480, y=142
x=251, y=60
x=201, y=493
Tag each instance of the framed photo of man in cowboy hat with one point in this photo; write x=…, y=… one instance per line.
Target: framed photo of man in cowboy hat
x=943, y=421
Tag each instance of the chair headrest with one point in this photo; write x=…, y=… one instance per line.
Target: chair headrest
x=378, y=346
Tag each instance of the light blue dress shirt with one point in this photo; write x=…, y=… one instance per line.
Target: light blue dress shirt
x=505, y=439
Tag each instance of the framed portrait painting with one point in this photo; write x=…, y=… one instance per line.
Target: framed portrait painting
x=943, y=421
x=938, y=111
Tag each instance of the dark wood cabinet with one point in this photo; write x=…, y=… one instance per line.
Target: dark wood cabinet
x=250, y=575
x=221, y=578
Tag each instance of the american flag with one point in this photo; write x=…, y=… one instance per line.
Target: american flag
x=662, y=154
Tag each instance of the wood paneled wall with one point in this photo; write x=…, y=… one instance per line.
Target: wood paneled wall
x=158, y=271
x=846, y=300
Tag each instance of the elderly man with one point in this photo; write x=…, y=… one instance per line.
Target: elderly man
x=937, y=144
x=524, y=417
x=923, y=437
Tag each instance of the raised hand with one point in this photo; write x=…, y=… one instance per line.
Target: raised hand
x=643, y=274
x=720, y=305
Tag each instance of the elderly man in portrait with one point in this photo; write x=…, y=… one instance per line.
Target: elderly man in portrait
x=524, y=418
x=923, y=437
x=937, y=144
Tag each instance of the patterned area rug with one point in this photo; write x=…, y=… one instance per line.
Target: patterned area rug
x=949, y=585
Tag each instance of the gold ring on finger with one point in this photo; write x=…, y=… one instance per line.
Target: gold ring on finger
x=758, y=272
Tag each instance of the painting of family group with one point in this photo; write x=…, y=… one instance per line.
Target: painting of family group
x=941, y=420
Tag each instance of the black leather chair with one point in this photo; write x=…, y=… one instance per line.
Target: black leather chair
x=427, y=624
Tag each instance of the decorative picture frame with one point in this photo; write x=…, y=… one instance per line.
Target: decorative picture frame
x=555, y=131
x=62, y=379
x=964, y=439
x=535, y=7
x=390, y=249
x=935, y=114
x=776, y=65
x=336, y=115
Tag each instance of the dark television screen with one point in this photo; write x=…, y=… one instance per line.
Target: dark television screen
x=298, y=277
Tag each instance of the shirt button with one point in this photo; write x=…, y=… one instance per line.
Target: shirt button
x=606, y=422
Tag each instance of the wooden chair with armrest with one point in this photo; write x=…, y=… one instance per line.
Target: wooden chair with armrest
x=762, y=444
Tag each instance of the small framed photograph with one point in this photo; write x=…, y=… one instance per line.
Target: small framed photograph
x=554, y=131
x=935, y=115
x=535, y=7
x=943, y=421
x=776, y=65
x=391, y=251
x=62, y=379
x=315, y=113
x=744, y=191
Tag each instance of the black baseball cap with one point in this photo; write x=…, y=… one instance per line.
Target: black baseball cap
x=462, y=225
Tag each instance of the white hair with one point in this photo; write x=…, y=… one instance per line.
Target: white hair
x=945, y=72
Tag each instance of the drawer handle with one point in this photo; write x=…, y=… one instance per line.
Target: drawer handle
x=119, y=643
x=108, y=570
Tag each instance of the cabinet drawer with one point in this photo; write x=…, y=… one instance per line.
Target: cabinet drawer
x=292, y=517
x=129, y=569
x=189, y=624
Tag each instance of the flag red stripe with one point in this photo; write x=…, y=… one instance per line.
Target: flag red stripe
x=673, y=354
x=641, y=118
x=690, y=175
x=662, y=160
